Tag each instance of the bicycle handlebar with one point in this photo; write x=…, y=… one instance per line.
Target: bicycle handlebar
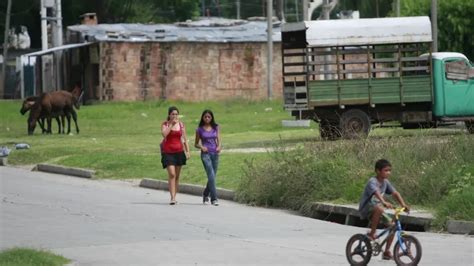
x=398, y=211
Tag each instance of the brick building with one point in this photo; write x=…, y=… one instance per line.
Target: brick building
x=208, y=59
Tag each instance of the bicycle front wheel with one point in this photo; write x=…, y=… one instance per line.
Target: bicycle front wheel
x=407, y=251
x=358, y=250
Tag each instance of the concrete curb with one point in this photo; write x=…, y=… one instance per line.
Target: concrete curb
x=295, y=123
x=57, y=169
x=3, y=161
x=349, y=215
x=460, y=227
x=186, y=188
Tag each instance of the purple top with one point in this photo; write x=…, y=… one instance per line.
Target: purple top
x=208, y=138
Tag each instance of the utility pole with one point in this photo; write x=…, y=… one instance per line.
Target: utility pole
x=434, y=24
x=55, y=21
x=59, y=24
x=377, y=8
x=218, y=8
x=203, y=4
x=237, y=6
x=305, y=10
x=281, y=7
x=5, y=48
x=326, y=11
x=263, y=8
x=58, y=36
x=269, y=47
x=44, y=40
x=44, y=26
x=297, y=12
x=397, y=7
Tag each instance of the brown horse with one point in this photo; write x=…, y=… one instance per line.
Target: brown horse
x=28, y=103
x=53, y=103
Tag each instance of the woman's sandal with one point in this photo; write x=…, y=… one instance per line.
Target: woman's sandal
x=387, y=255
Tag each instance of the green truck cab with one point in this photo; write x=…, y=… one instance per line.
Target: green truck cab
x=349, y=74
x=453, y=85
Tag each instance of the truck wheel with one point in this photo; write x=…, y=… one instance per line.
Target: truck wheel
x=329, y=131
x=469, y=126
x=355, y=123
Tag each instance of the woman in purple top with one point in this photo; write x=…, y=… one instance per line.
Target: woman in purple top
x=208, y=140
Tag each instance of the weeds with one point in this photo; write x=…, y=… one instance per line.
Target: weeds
x=427, y=170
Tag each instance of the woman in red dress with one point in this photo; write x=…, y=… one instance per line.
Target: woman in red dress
x=174, y=150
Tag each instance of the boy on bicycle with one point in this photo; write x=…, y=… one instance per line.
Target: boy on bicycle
x=372, y=202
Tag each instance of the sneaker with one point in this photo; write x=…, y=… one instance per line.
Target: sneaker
x=205, y=199
x=215, y=203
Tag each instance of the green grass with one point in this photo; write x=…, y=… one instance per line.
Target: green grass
x=30, y=257
x=121, y=140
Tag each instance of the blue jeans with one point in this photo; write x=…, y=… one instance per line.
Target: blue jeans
x=210, y=162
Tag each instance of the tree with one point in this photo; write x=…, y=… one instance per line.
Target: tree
x=455, y=20
x=366, y=8
x=134, y=11
x=248, y=8
x=27, y=12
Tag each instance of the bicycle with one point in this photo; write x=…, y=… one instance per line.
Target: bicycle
x=407, y=249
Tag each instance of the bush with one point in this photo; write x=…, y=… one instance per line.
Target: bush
x=456, y=206
x=425, y=170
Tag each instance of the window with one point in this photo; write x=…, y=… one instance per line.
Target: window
x=458, y=70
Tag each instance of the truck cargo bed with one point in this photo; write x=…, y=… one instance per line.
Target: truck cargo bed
x=369, y=91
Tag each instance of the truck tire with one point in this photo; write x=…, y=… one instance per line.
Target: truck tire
x=355, y=123
x=469, y=126
x=329, y=131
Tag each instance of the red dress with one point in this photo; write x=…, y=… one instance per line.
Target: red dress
x=172, y=143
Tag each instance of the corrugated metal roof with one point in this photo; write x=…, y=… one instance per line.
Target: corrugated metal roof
x=323, y=33
x=206, y=30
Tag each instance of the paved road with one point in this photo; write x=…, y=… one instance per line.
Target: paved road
x=116, y=223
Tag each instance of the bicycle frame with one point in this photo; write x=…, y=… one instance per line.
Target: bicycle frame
x=366, y=247
x=394, y=228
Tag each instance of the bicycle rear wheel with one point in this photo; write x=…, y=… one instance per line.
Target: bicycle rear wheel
x=410, y=254
x=358, y=250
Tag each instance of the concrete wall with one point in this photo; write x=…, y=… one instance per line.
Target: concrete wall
x=186, y=71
